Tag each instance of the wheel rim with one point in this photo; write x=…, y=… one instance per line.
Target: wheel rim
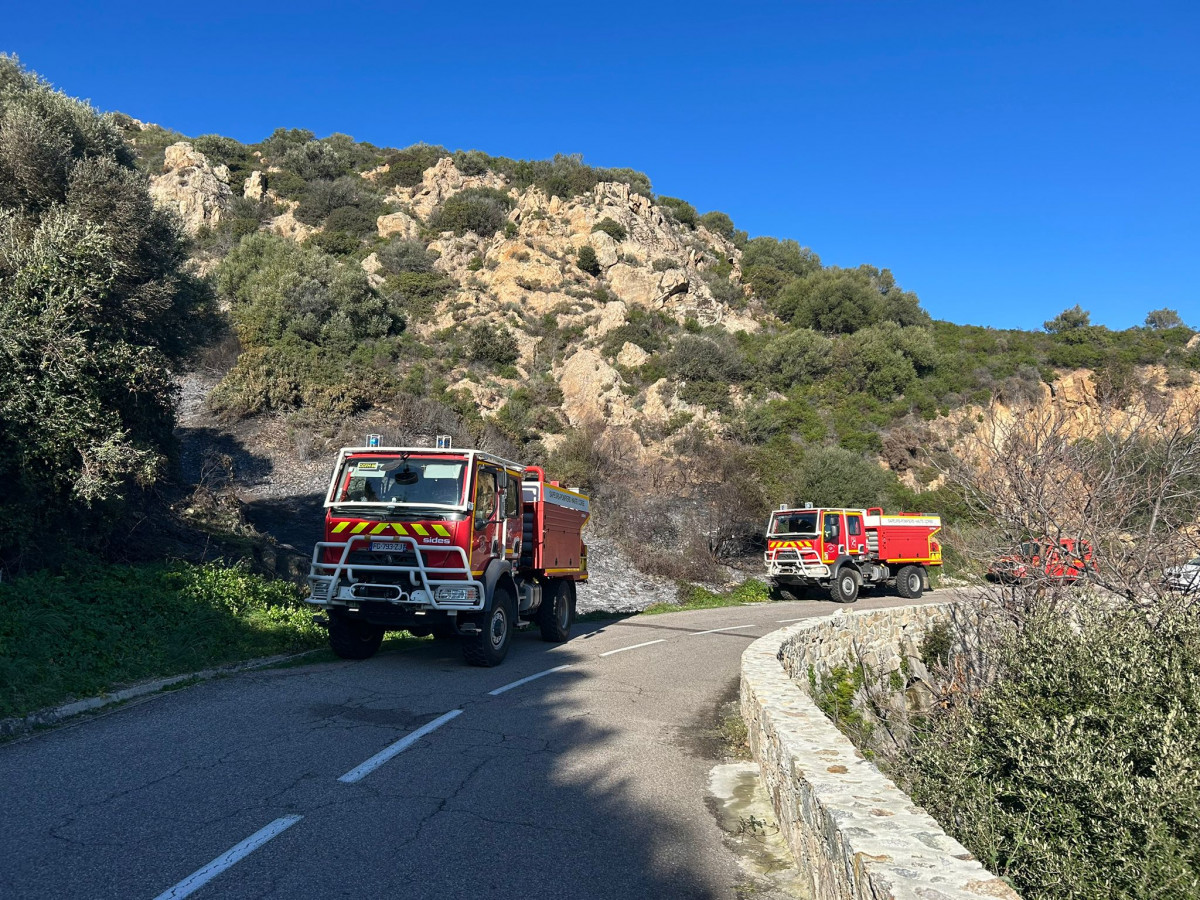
x=914, y=582
x=499, y=627
x=562, y=610
x=847, y=584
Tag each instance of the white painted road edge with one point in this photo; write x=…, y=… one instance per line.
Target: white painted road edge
x=362, y=771
x=634, y=647
x=230, y=857
x=508, y=687
x=730, y=628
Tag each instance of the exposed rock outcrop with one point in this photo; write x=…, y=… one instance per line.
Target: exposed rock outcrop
x=189, y=185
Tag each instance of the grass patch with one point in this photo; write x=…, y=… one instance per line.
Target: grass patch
x=94, y=627
x=692, y=596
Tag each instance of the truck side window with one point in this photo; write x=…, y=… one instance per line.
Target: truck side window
x=831, y=528
x=512, y=499
x=485, y=496
x=854, y=525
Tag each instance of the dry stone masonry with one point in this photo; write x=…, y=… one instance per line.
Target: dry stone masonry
x=851, y=829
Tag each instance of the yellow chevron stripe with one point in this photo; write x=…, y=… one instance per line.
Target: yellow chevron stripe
x=399, y=529
x=442, y=530
x=380, y=528
x=420, y=529
x=359, y=527
x=340, y=527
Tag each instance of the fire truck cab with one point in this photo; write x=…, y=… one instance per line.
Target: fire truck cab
x=842, y=550
x=445, y=542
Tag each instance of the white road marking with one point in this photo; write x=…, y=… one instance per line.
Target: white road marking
x=362, y=771
x=201, y=877
x=521, y=681
x=634, y=647
x=730, y=628
x=801, y=619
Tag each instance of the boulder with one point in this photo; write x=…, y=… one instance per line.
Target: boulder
x=190, y=186
x=400, y=223
x=632, y=356
x=253, y=189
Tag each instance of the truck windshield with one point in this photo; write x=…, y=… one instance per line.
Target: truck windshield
x=409, y=480
x=794, y=523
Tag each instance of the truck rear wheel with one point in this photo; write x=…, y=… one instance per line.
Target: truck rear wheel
x=490, y=646
x=354, y=638
x=845, y=587
x=909, y=582
x=557, y=612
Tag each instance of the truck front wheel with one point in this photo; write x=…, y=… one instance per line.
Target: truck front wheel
x=909, y=582
x=354, y=638
x=557, y=612
x=490, y=646
x=845, y=587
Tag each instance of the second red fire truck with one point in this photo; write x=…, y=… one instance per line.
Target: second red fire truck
x=843, y=550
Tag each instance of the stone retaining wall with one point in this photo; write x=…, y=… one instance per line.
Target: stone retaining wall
x=853, y=832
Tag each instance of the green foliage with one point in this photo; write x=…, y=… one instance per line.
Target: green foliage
x=563, y=176
x=529, y=411
x=587, y=260
x=94, y=627
x=824, y=476
x=323, y=197
x=718, y=223
x=1074, y=774
x=1073, y=319
x=96, y=310
x=680, y=210
x=491, y=344
x=769, y=265
x=796, y=357
x=649, y=330
x=835, y=697
x=481, y=210
x=611, y=227
x=315, y=160
x=885, y=359
x=837, y=300
x=693, y=596
x=1159, y=319
x=416, y=294
x=405, y=167
x=400, y=255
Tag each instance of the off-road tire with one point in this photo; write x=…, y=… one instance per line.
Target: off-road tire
x=354, y=638
x=844, y=588
x=556, y=615
x=490, y=646
x=785, y=594
x=910, y=582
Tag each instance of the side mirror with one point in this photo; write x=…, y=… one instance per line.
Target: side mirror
x=502, y=480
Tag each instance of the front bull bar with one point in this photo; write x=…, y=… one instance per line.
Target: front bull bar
x=807, y=563
x=324, y=578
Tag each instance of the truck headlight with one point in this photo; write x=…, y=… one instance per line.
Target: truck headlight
x=446, y=593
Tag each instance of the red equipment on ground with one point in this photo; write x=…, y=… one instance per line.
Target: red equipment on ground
x=843, y=550
x=449, y=543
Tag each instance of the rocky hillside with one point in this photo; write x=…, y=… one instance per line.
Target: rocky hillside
x=562, y=313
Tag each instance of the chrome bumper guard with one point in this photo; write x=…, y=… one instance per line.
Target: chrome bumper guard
x=805, y=563
x=342, y=582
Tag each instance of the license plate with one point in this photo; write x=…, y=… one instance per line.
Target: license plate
x=386, y=546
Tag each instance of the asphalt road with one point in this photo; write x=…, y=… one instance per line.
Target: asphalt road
x=586, y=782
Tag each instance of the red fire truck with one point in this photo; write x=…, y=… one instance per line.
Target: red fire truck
x=453, y=543
x=843, y=550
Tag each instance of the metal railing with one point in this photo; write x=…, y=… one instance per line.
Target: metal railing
x=803, y=561
x=324, y=578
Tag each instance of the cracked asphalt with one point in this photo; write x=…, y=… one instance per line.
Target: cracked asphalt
x=589, y=782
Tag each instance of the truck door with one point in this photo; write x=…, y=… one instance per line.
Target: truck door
x=833, y=531
x=856, y=535
x=513, y=508
x=485, y=541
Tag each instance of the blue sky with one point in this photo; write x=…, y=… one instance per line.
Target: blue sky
x=1005, y=160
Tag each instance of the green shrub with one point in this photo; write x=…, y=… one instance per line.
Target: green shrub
x=96, y=311
x=587, y=260
x=718, y=223
x=680, y=210
x=481, y=210
x=417, y=293
x=405, y=167
x=315, y=160
x=95, y=627
x=321, y=198
x=491, y=344
x=336, y=243
x=400, y=255
x=662, y=264
x=351, y=220
x=612, y=228
x=1074, y=774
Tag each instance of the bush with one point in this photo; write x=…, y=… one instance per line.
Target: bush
x=96, y=311
x=336, y=243
x=491, y=344
x=612, y=228
x=351, y=220
x=1074, y=774
x=481, y=210
x=587, y=260
x=680, y=210
x=405, y=167
x=400, y=255
x=718, y=223
x=796, y=357
x=842, y=301
x=321, y=198
x=315, y=160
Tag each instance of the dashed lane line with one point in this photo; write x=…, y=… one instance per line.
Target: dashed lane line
x=362, y=771
x=729, y=628
x=634, y=647
x=230, y=857
x=508, y=687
